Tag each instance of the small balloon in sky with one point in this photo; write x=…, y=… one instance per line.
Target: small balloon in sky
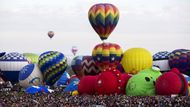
x=51, y=34
x=74, y=50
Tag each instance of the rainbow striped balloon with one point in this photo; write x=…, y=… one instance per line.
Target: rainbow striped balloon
x=103, y=18
x=52, y=65
x=107, y=55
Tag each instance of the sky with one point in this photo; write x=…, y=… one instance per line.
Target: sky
x=157, y=25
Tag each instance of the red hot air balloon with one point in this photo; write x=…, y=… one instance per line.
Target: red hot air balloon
x=50, y=34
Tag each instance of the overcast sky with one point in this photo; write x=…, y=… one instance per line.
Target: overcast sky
x=156, y=25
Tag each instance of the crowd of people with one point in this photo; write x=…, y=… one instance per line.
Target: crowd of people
x=18, y=98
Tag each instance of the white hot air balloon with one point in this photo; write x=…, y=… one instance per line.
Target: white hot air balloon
x=74, y=50
x=30, y=75
x=11, y=64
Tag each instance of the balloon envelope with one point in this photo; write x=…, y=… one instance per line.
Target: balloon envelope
x=50, y=34
x=180, y=59
x=2, y=53
x=160, y=59
x=136, y=59
x=107, y=55
x=30, y=75
x=63, y=80
x=89, y=66
x=36, y=89
x=52, y=65
x=141, y=84
x=76, y=65
x=73, y=85
x=74, y=50
x=31, y=57
x=11, y=64
x=103, y=17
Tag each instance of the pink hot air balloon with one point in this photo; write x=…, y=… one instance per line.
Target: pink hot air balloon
x=50, y=34
x=74, y=50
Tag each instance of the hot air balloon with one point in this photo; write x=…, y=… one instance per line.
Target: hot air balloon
x=11, y=64
x=161, y=59
x=103, y=18
x=52, y=65
x=107, y=55
x=30, y=75
x=180, y=58
x=136, y=59
x=74, y=50
x=89, y=66
x=31, y=57
x=63, y=80
x=84, y=65
x=50, y=34
x=76, y=66
x=2, y=53
x=69, y=68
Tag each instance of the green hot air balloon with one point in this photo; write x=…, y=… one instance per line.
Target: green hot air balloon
x=31, y=57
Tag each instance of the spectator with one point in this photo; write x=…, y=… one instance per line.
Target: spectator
x=58, y=98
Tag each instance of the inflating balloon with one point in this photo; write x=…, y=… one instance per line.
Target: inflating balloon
x=86, y=85
x=172, y=82
x=180, y=59
x=63, y=80
x=2, y=53
x=11, y=64
x=107, y=55
x=110, y=81
x=154, y=72
x=74, y=50
x=89, y=67
x=103, y=18
x=30, y=75
x=141, y=84
x=50, y=34
x=52, y=65
x=76, y=65
x=136, y=59
x=31, y=57
x=73, y=84
x=69, y=60
x=160, y=59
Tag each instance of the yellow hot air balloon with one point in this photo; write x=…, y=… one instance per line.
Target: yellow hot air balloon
x=136, y=59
